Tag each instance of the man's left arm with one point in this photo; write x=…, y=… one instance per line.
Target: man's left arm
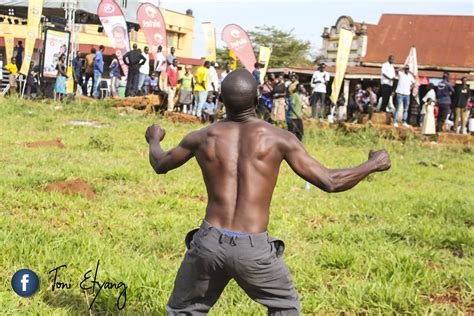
x=163, y=161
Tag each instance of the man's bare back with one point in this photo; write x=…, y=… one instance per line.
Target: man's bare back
x=240, y=158
x=239, y=163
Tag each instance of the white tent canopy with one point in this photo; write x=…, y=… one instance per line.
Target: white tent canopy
x=129, y=7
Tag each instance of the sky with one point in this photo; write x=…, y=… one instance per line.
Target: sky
x=307, y=18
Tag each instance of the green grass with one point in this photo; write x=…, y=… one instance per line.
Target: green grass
x=399, y=242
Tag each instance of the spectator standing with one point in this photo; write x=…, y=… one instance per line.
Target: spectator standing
x=13, y=71
x=268, y=86
x=186, y=86
x=295, y=123
x=160, y=58
x=172, y=74
x=428, y=126
x=293, y=86
x=213, y=87
x=98, y=71
x=77, y=71
x=60, y=86
x=405, y=84
x=200, y=88
x=114, y=77
x=445, y=89
x=386, y=80
x=462, y=96
x=279, y=94
x=291, y=89
x=318, y=84
x=227, y=70
x=31, y=79
x=133, y=59
x=256, y=73
x=19, y=54
x=171, y=57
x=89, y=71
x=144, y=70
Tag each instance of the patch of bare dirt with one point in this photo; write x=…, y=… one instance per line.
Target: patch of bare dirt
x=58, y=143
x=140, y=102
x=76, y=186
x=181, y=118
x=319, y=221
x=452, y=297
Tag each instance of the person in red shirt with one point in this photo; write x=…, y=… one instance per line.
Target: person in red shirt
x=172, y=74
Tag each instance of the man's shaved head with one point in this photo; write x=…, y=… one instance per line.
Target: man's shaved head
x=239, y=90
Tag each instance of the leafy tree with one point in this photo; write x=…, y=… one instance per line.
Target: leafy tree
x=287, y=50
x=222, y=57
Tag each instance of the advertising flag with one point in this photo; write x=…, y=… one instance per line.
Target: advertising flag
x=9, y=42
x=412, y=62
x=153, y=25
x=233, y=66
x=210, y=35
x=239, y=42
x=343, y=51
x=115, y=26
x=264, y=58
x=35, y=7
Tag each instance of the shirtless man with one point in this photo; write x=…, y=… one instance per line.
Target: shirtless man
x=240, y=158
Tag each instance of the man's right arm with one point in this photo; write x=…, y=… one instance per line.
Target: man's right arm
x=162, y=160
x=331, y=180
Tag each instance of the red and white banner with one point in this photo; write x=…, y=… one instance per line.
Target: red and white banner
x=115, y=26
x=153, y=25
x=239, y=42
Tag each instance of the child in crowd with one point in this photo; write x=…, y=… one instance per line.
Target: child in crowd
x=209, y=110
x=13, y=69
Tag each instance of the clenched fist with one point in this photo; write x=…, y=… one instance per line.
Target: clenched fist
x=381, y=159
x=154, y=133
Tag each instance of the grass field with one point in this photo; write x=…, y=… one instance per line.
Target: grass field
x=399, y=242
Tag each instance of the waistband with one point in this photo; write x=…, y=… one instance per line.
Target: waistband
x=231, y=237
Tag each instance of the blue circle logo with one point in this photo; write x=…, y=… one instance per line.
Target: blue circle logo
x=25, y=282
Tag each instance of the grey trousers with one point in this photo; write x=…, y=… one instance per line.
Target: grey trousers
x=318, y=105
x=214, y=258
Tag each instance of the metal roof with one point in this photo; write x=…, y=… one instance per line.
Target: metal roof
x=441, y=41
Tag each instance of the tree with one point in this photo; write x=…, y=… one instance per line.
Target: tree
x=287, y=50
x=222, y=57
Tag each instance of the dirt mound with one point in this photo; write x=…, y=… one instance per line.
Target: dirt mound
x=147, y=102
x=72, y=187
x=58, y=143
x=181, y=117
x=84, y=98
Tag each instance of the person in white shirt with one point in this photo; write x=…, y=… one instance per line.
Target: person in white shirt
x=386, y=81
x=227, y=70
x=405, y=84
x=318, y=85
x=160, y=58
x=429, y=100
x=144, y=70
x=213, y=86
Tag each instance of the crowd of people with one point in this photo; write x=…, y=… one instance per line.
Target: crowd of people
x=282, y=100
x=194, y=93
x=445, y=107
